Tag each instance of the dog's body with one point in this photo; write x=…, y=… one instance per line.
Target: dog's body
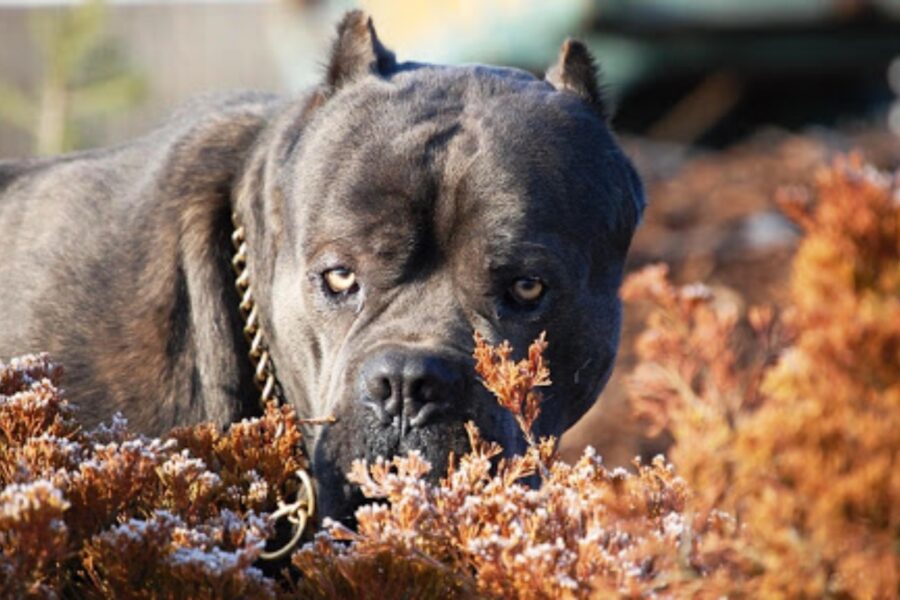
x=117, y=265
x=388, y=214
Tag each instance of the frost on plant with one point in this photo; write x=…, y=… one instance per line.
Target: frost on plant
x=106, y=513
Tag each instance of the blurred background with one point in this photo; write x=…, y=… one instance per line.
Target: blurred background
x=719, y=102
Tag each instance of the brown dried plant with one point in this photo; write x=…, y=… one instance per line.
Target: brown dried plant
x=106, y=513
x=821, y=458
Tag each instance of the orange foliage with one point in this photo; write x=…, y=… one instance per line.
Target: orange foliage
x=806, y=452
x=484, y=531
x=822, y=456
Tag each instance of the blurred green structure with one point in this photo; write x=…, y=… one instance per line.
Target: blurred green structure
x=83, y=77
x=643, y=38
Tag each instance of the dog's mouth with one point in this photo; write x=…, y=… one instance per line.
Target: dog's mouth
x=398, y=399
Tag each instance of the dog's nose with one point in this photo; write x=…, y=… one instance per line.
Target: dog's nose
x=412, y=387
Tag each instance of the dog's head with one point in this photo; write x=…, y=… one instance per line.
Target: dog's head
x=402, y=207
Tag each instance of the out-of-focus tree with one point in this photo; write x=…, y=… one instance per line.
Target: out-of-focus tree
x=84, y=75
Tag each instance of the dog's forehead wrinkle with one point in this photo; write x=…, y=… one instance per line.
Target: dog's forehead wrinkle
x=435, y=93
x=451, y=122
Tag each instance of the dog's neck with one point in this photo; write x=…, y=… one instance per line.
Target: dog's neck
x=301, y=511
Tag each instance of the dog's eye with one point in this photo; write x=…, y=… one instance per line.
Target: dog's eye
x=340, y=280
x=527, y=290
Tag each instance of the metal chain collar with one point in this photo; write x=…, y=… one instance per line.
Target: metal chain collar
x=300, y=511
x=264, y=373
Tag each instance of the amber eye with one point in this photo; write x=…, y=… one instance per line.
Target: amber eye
x=527, y=290
x=340, y=280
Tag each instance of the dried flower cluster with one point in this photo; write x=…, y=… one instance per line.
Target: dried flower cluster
x=821, y=458
x=514, y=383
x=784, y=478
x=108, y=514
x=481, y=533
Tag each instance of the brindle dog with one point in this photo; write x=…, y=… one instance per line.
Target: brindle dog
x=389, y=213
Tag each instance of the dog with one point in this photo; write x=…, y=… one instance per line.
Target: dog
x=386, y=215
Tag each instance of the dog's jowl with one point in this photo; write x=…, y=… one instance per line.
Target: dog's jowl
x=387, y=215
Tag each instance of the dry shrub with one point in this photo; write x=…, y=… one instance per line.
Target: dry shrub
x=784, y=482
x=821, y=458
x=109, y=514
x=106, y=513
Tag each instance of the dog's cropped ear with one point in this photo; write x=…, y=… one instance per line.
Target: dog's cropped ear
x=356, y=52
x=576, y=72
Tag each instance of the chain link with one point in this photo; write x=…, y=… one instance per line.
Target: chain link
x=300, y=512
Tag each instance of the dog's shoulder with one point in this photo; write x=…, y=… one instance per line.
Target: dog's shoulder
x=207, y=141
x=210, y=117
